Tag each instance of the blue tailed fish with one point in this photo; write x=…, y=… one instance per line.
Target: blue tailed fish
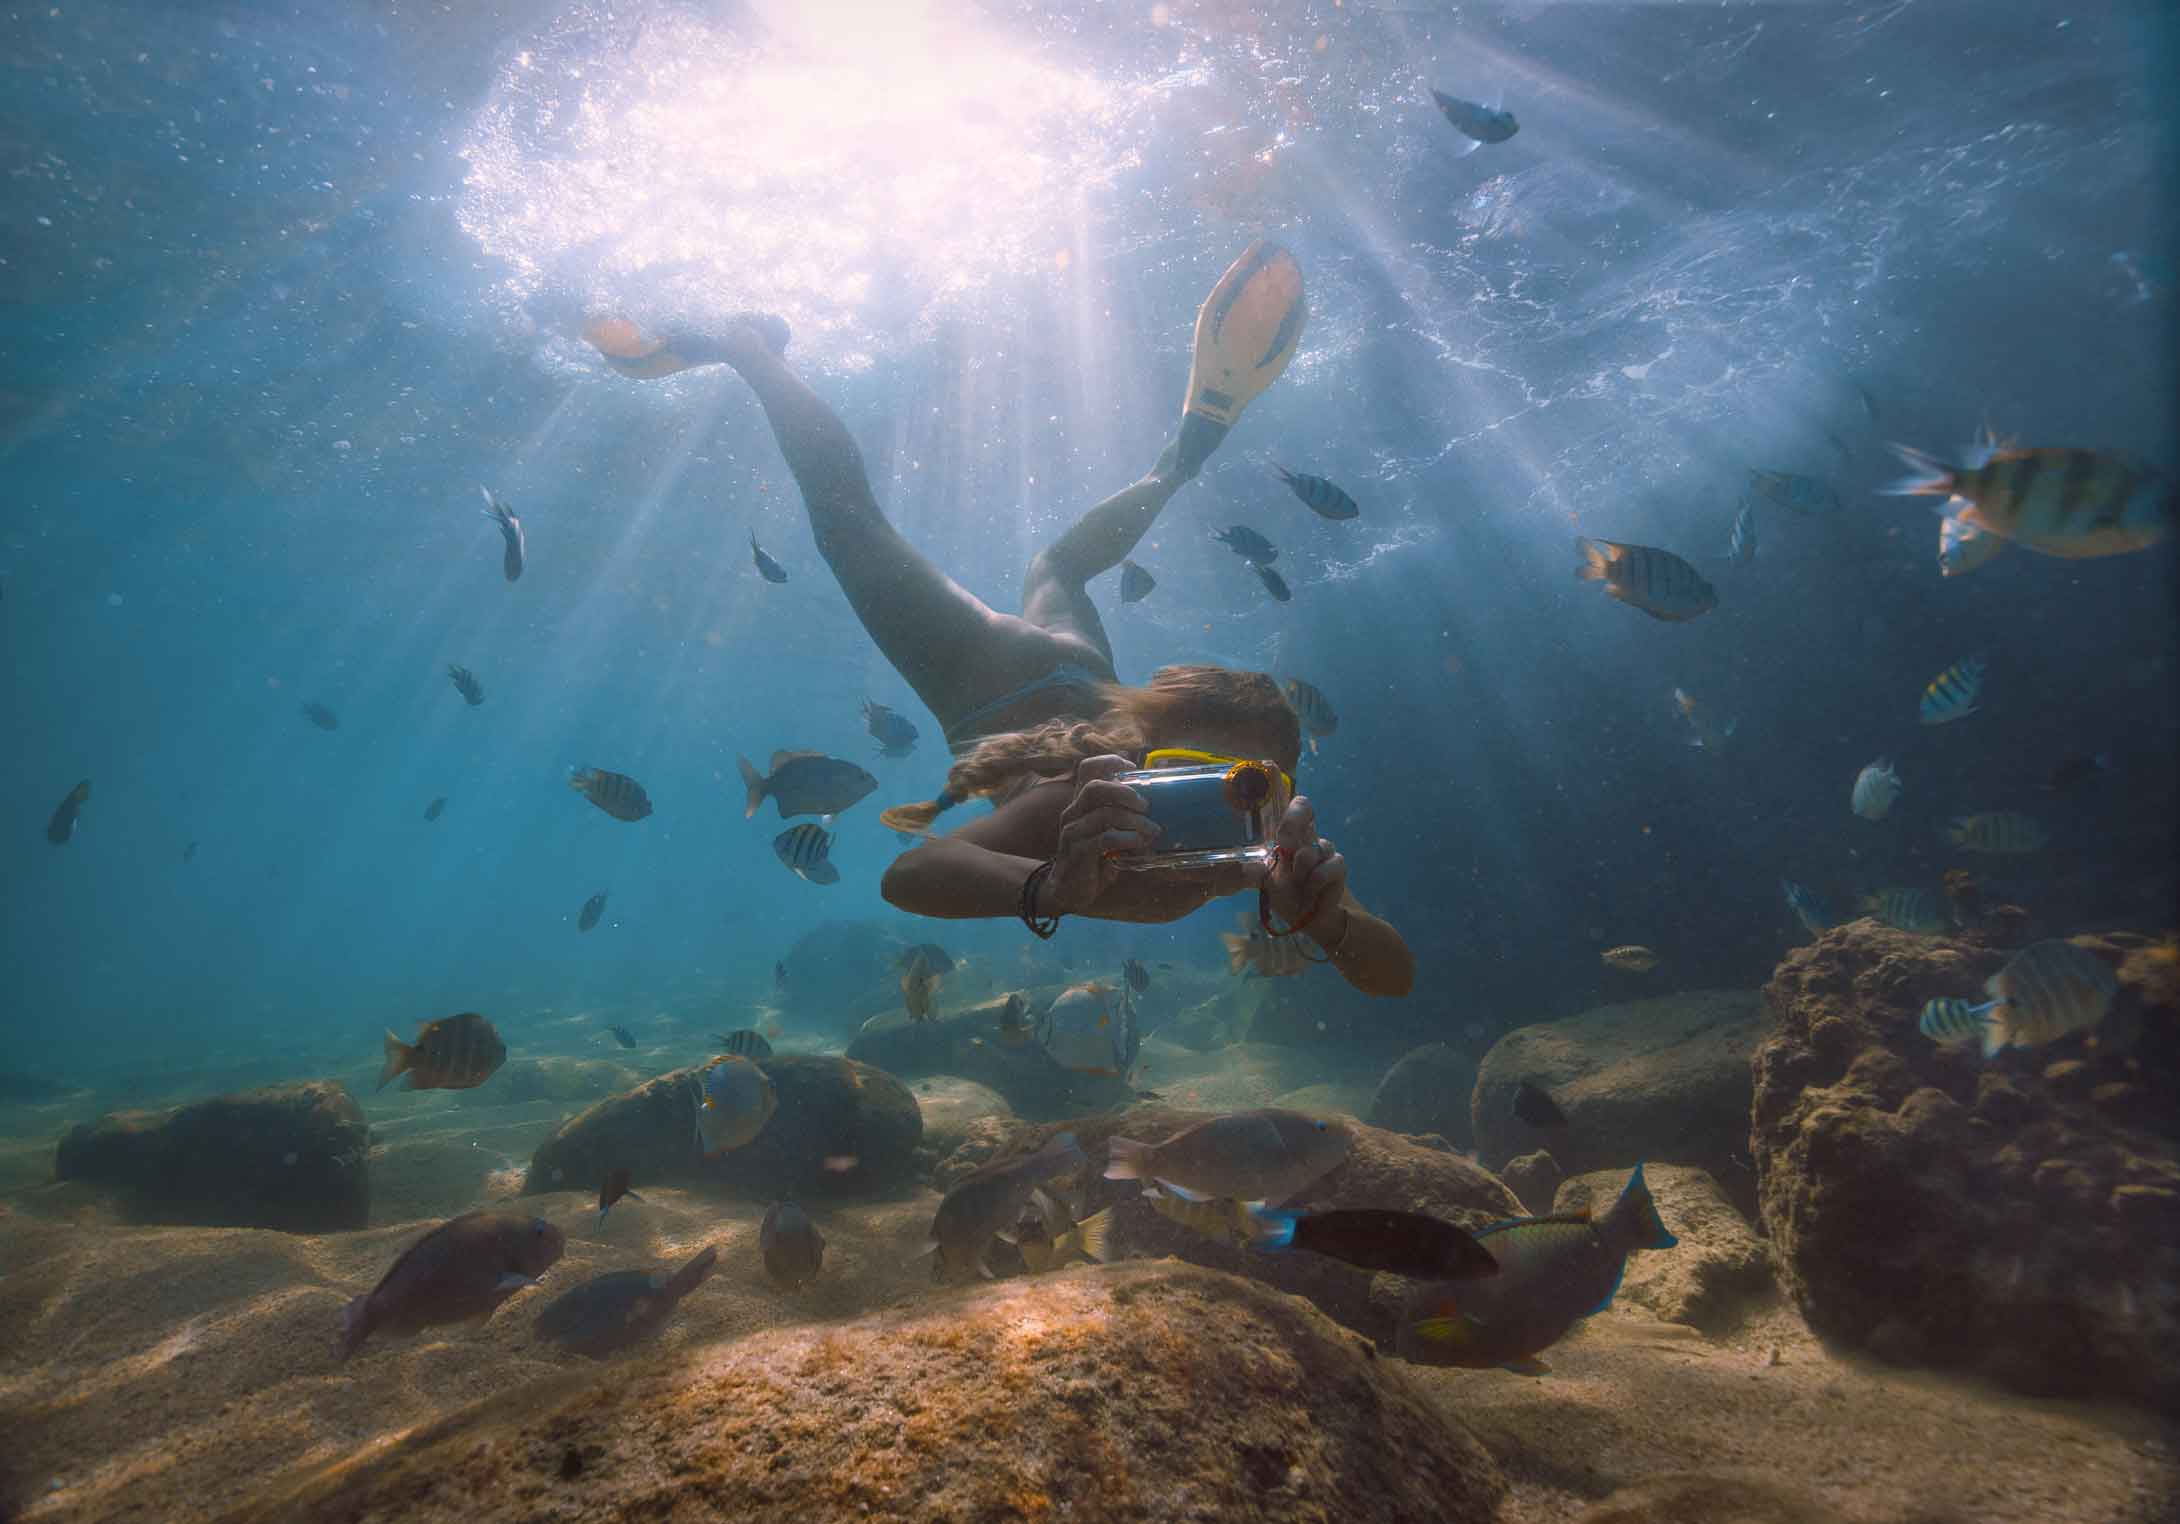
x=1949, y=1018
x=1811, y=911
x=1553, y=1272
x=1324, y=499
x=1656, y=581
x=1952, y=694
x=1796, y=493
x=1916, y=910
x=2060, y=502
x=2048, y=990
x=1876, y=790
x=2001, y=831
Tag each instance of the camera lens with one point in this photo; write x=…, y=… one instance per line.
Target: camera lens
x=1248, y=786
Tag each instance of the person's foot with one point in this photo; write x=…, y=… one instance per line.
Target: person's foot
x=760, y=329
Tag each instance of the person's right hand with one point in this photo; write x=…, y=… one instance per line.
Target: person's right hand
x=1103, y=817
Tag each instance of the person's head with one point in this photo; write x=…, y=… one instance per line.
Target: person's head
x=1214, y=709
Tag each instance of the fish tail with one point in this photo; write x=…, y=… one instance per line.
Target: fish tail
x=691, y=1275
x=1647, y=1228
x=399, y=1056
x=355, y=1325
x=1095, y=1234
x=754, y=781
x=1595, y=560
x=1128, y=1159
x=1931, y=477
x=1272, y=1227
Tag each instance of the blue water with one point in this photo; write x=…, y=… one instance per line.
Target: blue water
x=284, y=284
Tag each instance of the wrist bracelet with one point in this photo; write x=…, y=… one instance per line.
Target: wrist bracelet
x=1042, y=926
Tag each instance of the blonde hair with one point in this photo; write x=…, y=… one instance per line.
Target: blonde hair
x=1129, y=719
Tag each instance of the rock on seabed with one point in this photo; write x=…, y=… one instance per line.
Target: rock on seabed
x=1140, y=1392
x=2020, y=1216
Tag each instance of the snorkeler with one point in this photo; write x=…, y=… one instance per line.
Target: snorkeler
x=1057, y=842
x=980, y=671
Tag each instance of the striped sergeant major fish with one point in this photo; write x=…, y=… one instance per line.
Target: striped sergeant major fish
x=1323, y=498
x=2001, y=831
x=617, y=794
x=1949, y=1018
x=1315, y=711
x=1656, y=581
x=1952, y=694
x=1912, y=910
x=2048, y=990
x=1811, y=911
x=2059, y=502
x=1793, y=492
x=806, y=849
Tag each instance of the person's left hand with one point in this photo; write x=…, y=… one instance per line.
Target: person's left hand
x=1310, y=874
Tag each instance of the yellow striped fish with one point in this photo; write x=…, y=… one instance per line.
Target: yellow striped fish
x=1999, y=831
x=2048, y=990
x=1952, y=694
x=1950, y=1017
x=2060, y=502
x=1914, y=910
x=1656, y=581
x=1313, y=708
x=1220, y=1218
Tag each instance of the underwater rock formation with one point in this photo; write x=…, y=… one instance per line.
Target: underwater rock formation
x=1382, y=1169
x=1124, y=1392
x=836, y=969
x=2019, y=1216
x=558, y=1078
x=1664, y=1080
x=291, y=1157
x=1720, y=1266
x=842, y=1128
x=1535, y=1177
x=1427, y=1090
x=967, y=1043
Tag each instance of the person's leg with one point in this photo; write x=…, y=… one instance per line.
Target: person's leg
x=1055, y=595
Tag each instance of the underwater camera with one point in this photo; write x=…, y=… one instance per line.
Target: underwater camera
x=1209, y=810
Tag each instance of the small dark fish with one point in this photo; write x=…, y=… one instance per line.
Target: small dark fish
x=617, y=794
x=767, y=568
x=934, y=956
x=1401, y=1243
x=613, y=1190
x=623, y=1307
x=460, y=1270
x=510, y=530
x=623, y=1036
x=896, y=736
x=743, y=1043
x=1534, y=1106
x=793, y=1248
x=189, y=853
x=466, y=684
x=1474, y=121
x=1248, y=544
x=1136, y=584
x=63, y=824
x=806, y=849
x=2074, y=771
x=779, y=974
x=593, y=909
x=1139, y=977
x=451, y=1053
x=322, y=717
x=436, y=808
x=804, y=783
x=1274, y=583
x=1323, y=498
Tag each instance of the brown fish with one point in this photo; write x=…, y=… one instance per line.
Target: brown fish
x=804, y=783
x=623, y=1307
x=451, y=1053
x=617, y=794
x=1636, y=960
x=460, y=1270
x=1656, y=581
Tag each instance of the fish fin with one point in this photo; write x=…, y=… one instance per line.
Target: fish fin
x=754, y=781
x=1649, y=1227
x=1273, y=1227
x=355, y=1325
x=1094, y=1235
x=1595, y=559
x=1126, y=1159
x=1931, y=476
x=1997, y=1034
x=691, y=1275
x=1179, y=1192
x=399, y=1055
x=823, y=873
x=1610, y=1291
x=1530, y=1366
x=510, y=1281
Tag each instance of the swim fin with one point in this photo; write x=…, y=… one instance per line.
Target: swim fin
x=1246, y=332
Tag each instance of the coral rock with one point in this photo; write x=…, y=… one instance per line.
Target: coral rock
x=1427, y=1091
x=1719, y=1267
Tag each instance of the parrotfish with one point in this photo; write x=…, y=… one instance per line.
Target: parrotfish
x=610, y=1312
x=1264, y=1155
x=460, y=1270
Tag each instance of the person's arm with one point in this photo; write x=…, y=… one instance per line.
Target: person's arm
x=957, y=880
x=1312, y=874
x=1369, y=953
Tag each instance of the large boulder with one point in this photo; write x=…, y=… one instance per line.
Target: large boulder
x=1383, y=1169
x=292, y=1157
x=1427, y=1091
x=1717, y=1272
x=842, y=1128
x=837, y=972
x=2019, y=1216
x=966, y=1042
x=1120, y=1392
x=1664, y=1079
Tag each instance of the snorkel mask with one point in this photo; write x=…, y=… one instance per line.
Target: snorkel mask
x=1209, y=809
